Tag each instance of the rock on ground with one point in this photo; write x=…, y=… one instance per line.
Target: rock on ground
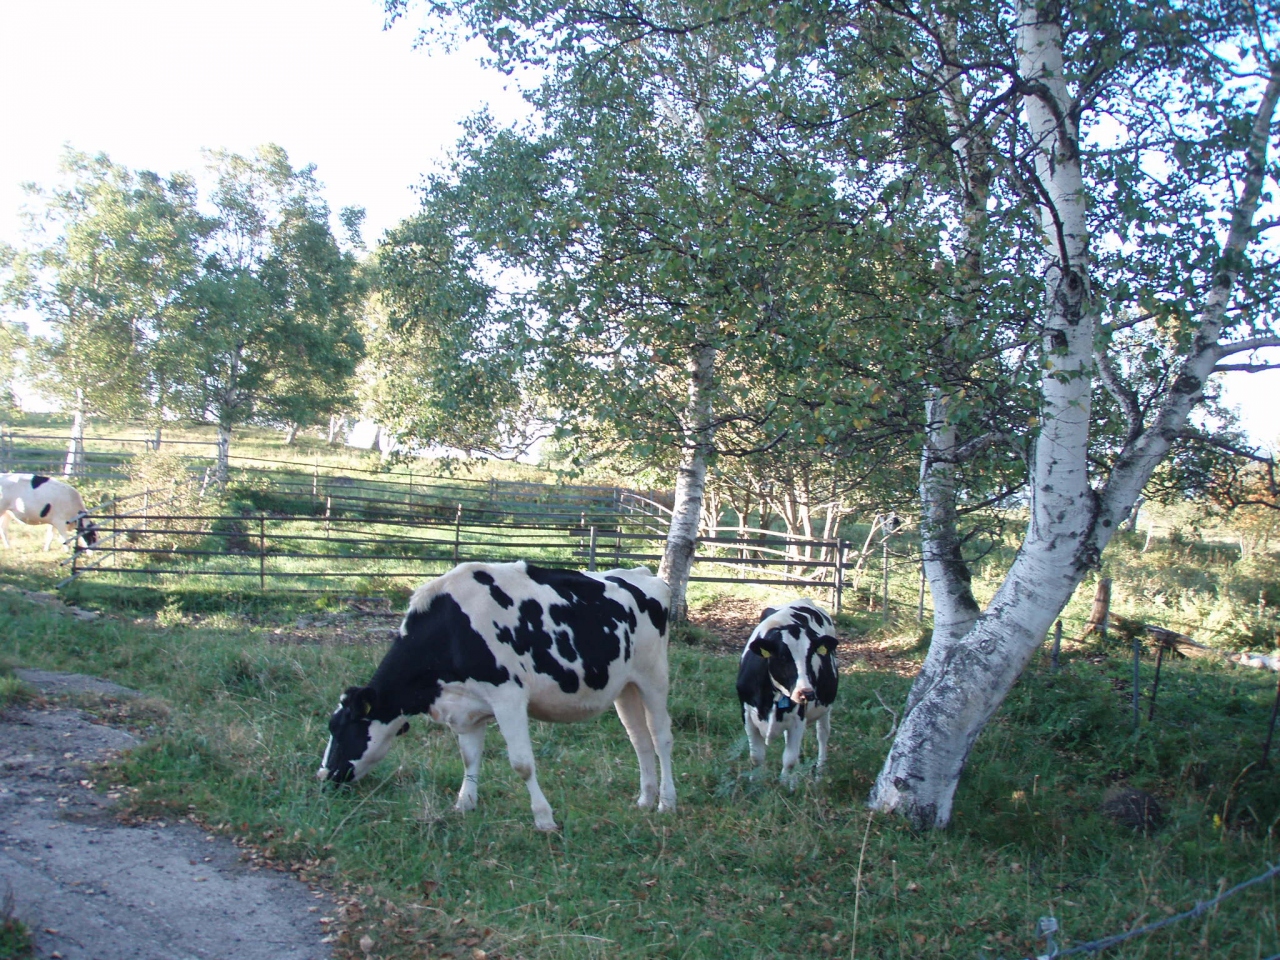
x=91, y=888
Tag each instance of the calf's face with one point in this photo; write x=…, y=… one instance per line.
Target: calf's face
x=357, y=741
x=796, y=654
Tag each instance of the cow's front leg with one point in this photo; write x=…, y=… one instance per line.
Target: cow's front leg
x=471, y=743
x=824, y=732
x=794, y=734
x=4, y=528
x=756, y=742
x=48, y=541
x=513, y=721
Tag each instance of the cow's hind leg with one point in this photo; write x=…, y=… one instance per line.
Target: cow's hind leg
x=630, y=707
x=513, y=721
x=4, y=528
x=471, y=743
x=659, y=721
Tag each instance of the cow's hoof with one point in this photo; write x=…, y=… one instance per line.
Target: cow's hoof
x=548, y=826
x=465, y=805
x=667, y=806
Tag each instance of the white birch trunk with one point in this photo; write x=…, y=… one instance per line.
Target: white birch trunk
x=970, y=676
x=691, y=478
x=1069, y=524
x=73, y=466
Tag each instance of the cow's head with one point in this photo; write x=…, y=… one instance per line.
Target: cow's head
x=87, y=531
x=795, y=650
x=357, y=738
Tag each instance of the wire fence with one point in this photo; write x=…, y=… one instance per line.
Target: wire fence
x=1046, y=927
x=380, y=540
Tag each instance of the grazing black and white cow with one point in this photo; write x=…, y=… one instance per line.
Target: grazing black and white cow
x=37, y=500
x=510, y=641
x=787, y=679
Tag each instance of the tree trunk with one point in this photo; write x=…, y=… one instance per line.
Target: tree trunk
x=291, y=434
x=73, y=466
x=159, y=435
x=968, y=675
x=1070, y=524
x=336, y=425
x=691, y=478
x=222, y=466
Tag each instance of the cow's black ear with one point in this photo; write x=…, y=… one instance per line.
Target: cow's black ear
x=768, y=612
x=765, y=646
x=360, y=700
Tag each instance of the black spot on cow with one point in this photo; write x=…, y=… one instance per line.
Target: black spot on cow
x=500, y=596
x=530, y=638
x=600, y=626
x=649, y=606
x=36, y=480
x=757, y=673
x=47, y=508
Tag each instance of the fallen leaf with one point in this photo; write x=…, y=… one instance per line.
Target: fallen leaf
x=366, y=943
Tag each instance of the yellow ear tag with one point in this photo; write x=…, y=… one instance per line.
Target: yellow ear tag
x=368, y=709
x=822, y=651
x=766, y=654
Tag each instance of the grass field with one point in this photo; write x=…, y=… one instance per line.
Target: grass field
x=238, y=687
x=745, y=868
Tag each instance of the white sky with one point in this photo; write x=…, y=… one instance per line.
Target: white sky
x=151, y=82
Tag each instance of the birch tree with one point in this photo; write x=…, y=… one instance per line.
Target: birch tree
x=1168, y=249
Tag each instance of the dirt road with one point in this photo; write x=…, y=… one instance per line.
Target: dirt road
x=92, y=888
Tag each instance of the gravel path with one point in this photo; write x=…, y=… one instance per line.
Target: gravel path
x=92, y=888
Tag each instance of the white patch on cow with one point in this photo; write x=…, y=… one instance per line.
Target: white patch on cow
x=53, y=502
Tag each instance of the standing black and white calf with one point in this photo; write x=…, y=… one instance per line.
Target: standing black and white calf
x=787, y=679
x=34, y=499
x=510, y=641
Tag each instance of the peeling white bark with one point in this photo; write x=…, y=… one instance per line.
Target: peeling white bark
x=691, y=478
x=970, y=675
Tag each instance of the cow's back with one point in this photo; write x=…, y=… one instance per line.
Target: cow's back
x=570, y=641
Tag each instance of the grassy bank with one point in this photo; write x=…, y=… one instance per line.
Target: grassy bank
x=745, y=868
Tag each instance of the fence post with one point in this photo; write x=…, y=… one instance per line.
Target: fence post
x=1137, y=653
x=115, y=533
x=591, y=554
x=328, y=505
x=884, y=571
x=839, y=584
x=1057, y=645
x=145, y=498
x=1155, y=686
x=262, y=552
x=457, y=533
x=315, y=479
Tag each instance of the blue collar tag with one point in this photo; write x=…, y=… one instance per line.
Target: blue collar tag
x=785, y=704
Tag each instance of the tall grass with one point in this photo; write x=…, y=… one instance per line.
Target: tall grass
x=745, y=867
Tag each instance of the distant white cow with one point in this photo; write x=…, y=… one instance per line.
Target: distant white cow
x=34, y=499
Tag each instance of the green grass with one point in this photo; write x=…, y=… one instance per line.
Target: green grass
x=745, y=868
